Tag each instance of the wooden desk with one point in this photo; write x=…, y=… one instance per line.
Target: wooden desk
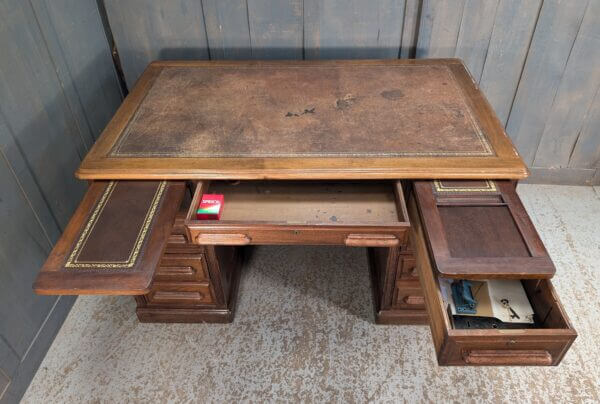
x=403, y=157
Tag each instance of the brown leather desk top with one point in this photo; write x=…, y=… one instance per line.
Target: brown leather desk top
x=304, y=120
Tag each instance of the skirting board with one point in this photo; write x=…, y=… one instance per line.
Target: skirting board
x=563, y=176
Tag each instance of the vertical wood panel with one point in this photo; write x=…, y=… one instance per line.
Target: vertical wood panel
x=586, y=153
x=75, y=36
x=512, y=32
x=227, y=29
x=37, y=115
x=4, y=382
x=62, y=70
x=18, y=164
x=553, y=39
x=276, y=28
x=575, y=94
x=475, y=32
x=148, y=30
x=9, y=360
x=410, y=28
x=344, y=29
x=440, y=25
x=21, y=319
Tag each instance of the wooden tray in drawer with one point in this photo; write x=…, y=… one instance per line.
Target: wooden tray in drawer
x=544, y=345
x=303, y=212
x=480, y=230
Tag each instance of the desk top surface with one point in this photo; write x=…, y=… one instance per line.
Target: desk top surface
x=304, y=120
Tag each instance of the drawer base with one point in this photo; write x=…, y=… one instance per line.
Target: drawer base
x=184, y=315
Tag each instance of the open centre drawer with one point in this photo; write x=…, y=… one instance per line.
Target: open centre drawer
x=479, y=231
x=361, y=214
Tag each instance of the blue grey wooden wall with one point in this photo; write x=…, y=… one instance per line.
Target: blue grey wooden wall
x=58, y=89
x=538, y=61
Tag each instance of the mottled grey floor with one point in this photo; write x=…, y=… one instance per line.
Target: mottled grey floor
x=304, y=332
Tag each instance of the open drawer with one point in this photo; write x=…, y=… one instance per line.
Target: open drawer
x=114, y=241
x=542, y=343
x=362, y=214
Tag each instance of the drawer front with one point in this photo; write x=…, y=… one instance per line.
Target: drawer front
x=536, y=346
x=408, y=295
x=183, y=248
x=297, y=234
x=176, y=240
x=368, y=214
x=407, y=267
x=182, y=267
x=528, y=349
x=179, y=241
x=174, y=294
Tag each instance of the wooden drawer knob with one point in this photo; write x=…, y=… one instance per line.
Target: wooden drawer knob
x=223, y=239
x=371, y=240
x=508, y=357
x=414, y=300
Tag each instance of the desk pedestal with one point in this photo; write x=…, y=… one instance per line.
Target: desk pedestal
x=193, y=284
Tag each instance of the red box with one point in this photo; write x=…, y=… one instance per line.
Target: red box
x=210, y=207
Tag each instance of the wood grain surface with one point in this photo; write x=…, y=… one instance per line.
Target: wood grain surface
x=306, y=119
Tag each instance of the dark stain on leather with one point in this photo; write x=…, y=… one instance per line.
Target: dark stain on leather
x=392, y=95
x=345, y=102
x=306, y=111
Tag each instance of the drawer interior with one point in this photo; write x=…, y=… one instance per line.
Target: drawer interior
x=306, y=202
x=548, y=312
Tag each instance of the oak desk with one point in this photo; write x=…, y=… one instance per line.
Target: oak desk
x=403, y=157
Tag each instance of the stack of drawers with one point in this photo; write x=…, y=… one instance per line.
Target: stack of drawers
x=182, y=276
x=408, y=294
x=190, y=283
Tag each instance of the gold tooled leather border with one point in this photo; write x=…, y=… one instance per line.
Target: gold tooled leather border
x=490, y=186
x=73, y=260
x=486, y=151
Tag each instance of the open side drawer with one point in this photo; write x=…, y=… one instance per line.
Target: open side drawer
x=114, y=241
x=544, y=343
x=361, y=214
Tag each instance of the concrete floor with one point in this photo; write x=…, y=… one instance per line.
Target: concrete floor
x=304, y=332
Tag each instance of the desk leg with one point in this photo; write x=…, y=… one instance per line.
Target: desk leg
x=210, y=299
x=397, y=294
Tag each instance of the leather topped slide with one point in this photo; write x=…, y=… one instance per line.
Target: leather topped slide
x=114, y=241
